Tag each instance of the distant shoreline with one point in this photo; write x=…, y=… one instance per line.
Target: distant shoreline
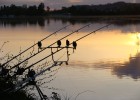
x=63, y=16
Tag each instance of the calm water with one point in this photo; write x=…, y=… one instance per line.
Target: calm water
x=105, y=64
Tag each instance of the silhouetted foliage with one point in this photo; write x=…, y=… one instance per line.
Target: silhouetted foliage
x=41, y=8
x=13, y=10
x=118, y=8
x=20, y=95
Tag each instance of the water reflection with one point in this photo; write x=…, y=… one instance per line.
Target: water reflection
x=120, y=21
x=121, y=61
x=42, y=21
x=108, y=51
x=130, y=68
x=23, y=22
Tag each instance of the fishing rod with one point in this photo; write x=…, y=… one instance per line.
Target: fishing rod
x=23, y=83
x=66, y=46
x=92, y=32
x=49, y=46
x=35, y=44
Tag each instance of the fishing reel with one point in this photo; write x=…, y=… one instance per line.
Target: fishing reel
x=39, y=45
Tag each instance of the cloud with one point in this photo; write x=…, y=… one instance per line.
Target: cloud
x=20, y=2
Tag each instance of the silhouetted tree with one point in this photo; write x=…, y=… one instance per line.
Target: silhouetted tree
x=32, y=10
x=14, y=10
x=41, y=7
x=48, y=9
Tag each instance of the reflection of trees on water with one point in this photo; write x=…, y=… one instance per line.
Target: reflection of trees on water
x=130, y=68
x=41, y=21
x=23, y=22
x=119, y=21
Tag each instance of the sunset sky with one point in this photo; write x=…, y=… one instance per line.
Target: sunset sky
x=56, y=4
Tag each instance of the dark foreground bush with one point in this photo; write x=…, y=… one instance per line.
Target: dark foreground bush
x=6, y=95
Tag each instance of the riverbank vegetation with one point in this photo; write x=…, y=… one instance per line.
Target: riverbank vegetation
x=5, y=95
x=118, y=8
x=110, y=9
x=13, y=10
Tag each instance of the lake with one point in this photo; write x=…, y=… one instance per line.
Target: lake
x=104, y=66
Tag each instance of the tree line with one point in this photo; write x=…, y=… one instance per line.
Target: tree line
x=118, y=8
x=14, y=10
